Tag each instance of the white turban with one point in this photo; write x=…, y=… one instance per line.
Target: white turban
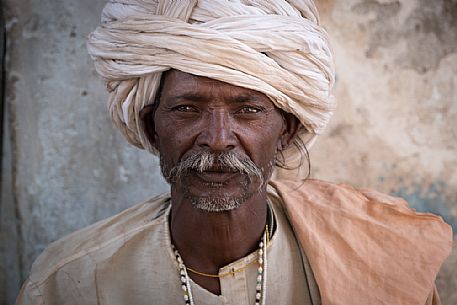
x=276, y=47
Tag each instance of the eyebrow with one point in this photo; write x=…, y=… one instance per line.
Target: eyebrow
x=190, y=96
x=195, y=97
x=244, y=98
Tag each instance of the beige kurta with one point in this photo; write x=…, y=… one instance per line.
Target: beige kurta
x=362, y=249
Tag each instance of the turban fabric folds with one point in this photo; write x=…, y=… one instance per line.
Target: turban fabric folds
x=276, y=47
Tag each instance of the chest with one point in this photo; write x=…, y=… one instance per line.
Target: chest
x=150, y=275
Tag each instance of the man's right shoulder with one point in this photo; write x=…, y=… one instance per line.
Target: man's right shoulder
x=101, y=239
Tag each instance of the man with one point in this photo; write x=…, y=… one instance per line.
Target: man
x=223, y=91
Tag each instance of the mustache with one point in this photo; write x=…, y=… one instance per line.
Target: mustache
x=201, y=161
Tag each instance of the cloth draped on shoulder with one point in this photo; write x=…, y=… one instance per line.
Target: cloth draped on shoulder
x=365, y=247
x=276, y=47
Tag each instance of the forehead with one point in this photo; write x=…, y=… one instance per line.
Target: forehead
x=176, y=82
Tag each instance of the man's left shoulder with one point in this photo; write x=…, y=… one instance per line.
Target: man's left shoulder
x=371, y=214
x=344, y=196
x=374, y=246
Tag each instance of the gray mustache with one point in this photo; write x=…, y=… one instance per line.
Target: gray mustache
x=201, y=161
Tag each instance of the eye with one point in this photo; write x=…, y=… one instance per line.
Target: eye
x=250, y=110
x=185, y=108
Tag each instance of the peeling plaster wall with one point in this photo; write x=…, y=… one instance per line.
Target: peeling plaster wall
x=64, y=165
x=395, y=127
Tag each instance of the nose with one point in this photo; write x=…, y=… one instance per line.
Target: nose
x=217, y=132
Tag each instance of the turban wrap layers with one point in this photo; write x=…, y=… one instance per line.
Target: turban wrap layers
x=276, y=47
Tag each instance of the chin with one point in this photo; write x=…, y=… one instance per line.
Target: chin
x=217, y=204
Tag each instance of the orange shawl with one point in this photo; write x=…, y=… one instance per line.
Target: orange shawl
x=365, y=247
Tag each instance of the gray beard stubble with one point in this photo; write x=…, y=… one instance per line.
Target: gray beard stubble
x=201, y=161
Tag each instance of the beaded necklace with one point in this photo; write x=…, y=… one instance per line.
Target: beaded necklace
x=260, y=294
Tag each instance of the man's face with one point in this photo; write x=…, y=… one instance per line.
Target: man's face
x=217, y=141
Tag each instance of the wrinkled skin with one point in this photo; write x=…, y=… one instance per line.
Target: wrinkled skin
x=200, y=114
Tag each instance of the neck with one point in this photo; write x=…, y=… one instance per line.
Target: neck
x=208, y=241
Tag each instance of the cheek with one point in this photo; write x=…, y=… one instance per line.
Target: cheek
x=172, y=139
x=263, y=142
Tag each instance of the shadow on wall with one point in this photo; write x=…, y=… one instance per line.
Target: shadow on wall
x=434, y=198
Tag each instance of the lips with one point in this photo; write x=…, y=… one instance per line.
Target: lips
x=216, y=176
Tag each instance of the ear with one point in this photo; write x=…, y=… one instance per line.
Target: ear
x=292, y=126
x=147, y=119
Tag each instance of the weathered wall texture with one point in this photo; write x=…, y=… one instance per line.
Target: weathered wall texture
x=64, y=166
x=70, y=167
x=395, y=128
